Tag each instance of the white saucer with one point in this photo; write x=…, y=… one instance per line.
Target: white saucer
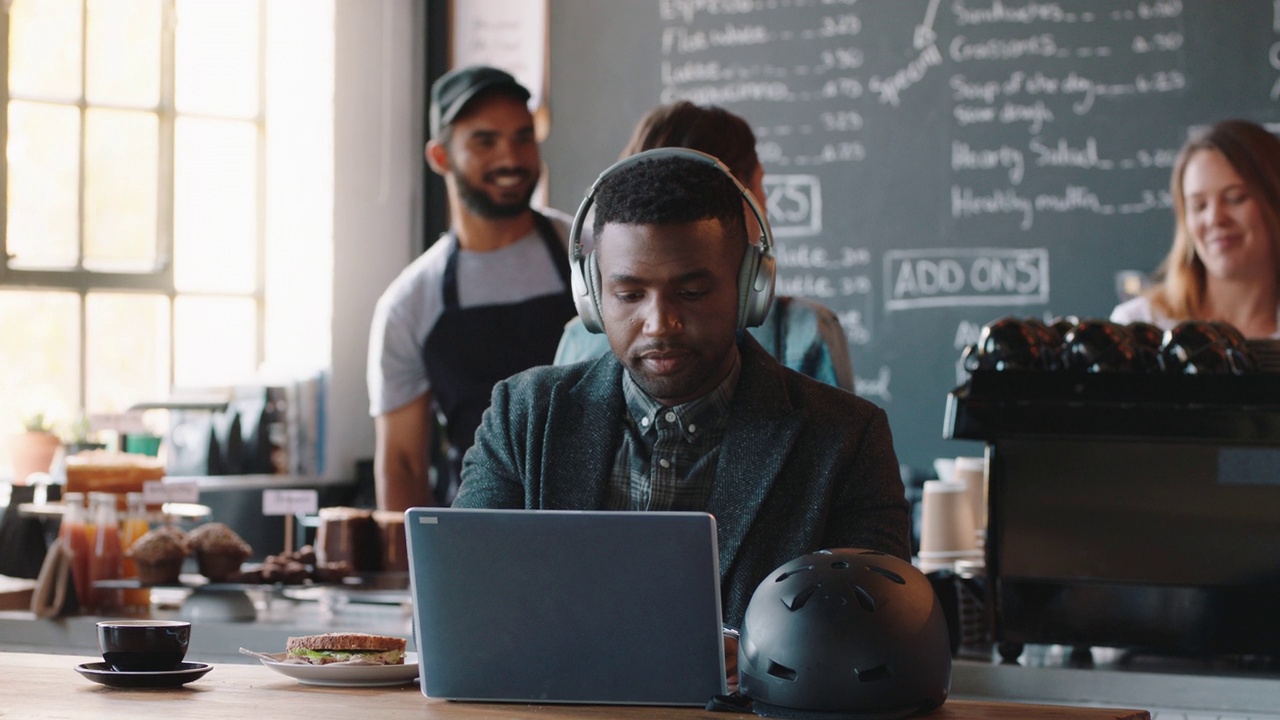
x=347, y=675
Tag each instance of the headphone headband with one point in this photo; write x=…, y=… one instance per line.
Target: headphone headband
x=756, y=276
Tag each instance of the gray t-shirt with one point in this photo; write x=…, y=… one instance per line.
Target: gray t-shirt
x=411, y=305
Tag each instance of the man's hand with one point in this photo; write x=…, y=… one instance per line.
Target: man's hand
x=731, y=659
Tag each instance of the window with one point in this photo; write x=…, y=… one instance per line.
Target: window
x=143, y=200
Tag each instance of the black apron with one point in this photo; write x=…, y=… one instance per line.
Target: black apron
x=470, y=349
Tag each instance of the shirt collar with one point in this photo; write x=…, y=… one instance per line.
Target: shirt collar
x=693, y=417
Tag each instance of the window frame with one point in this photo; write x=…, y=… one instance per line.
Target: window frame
x=159, y=281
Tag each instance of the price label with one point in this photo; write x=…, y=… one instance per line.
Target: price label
x=158, y=492
x=290, y=502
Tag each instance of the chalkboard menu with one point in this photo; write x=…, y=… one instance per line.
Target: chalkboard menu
x=930, y=165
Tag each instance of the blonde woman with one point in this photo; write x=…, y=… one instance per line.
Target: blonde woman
x=1225, y=261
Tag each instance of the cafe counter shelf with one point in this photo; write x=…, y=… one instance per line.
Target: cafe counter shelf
x=303, y=611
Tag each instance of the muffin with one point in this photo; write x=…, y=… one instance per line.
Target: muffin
x=219, y=550
x=158, y=555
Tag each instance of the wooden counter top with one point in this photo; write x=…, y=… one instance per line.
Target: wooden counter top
x=47, y=686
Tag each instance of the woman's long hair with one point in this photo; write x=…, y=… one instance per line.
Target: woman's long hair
x=1255, y=154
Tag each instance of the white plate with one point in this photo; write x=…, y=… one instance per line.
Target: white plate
x=342, y=675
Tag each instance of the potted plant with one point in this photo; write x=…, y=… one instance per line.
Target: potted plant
x=33, y=450
x=79, y=436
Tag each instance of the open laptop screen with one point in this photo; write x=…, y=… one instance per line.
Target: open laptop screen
x=563, y=606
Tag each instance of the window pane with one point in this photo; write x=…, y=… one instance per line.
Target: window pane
x=44, y=49
x=44, y=183
x=39, y=360
x=299, y=152
x=217, y=57
x=124, y=52
x=215, y=341
x=215, y=206
x=127, y=350
x=120, y=190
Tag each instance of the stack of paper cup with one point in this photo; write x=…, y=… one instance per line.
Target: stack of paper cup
x=946, y=526
x=972, y=471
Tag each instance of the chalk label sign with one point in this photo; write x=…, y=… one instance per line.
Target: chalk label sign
x=942, y=277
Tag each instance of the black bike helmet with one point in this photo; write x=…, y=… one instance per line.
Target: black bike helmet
x=844, y=633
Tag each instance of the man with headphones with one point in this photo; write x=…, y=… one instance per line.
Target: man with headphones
x=487, y=300
x=689, y=412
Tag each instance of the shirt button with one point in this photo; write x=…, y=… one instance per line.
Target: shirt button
x=644, y=422
x=693, y=428
x=664, y=463
x=670, y=416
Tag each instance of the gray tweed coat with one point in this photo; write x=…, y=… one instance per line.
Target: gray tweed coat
x=803, y=466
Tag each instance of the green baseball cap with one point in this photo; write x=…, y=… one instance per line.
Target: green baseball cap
x=453, y=90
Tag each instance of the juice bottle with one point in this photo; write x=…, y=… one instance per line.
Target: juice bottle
x=74, y=534
x=104, y=557
x=135, y=525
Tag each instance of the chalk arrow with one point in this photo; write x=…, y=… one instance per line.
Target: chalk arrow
x=924, y=37
x=924, y=31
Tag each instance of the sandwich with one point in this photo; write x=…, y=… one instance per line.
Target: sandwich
x=346, y=647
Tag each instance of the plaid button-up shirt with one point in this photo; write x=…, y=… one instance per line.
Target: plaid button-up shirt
x=667, y=458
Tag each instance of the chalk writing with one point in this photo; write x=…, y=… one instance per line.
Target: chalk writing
x=793, y=204
x=874, y=388
x=961, y=50
x=963, y=157
x=890, y=89
x=805, y=255
x=999, y=12
x=854, y=325
x=959, y=276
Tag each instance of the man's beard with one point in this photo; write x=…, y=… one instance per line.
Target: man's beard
x=479, y=202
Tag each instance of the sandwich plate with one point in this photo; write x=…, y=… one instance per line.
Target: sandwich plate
x=344, y=674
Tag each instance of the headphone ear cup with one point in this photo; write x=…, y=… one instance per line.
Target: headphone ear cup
x=755, y=286
x=595, y=321
x=586, y=296
x=746, y=282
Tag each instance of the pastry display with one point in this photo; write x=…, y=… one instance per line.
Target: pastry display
x=294, y=568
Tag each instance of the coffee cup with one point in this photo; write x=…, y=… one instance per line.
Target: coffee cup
x=144, y=645
x=972, y=471
x=946, y=525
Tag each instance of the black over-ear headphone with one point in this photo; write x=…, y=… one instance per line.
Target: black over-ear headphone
x=755, y=276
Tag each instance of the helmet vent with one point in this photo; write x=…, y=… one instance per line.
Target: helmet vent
x=840, y=565
x=875, y=674
x=867, y=602
x=797, y=571
x=887, y=573
x=802, y=597
x=781, y=671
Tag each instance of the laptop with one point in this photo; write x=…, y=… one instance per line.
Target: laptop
x=552, y=606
